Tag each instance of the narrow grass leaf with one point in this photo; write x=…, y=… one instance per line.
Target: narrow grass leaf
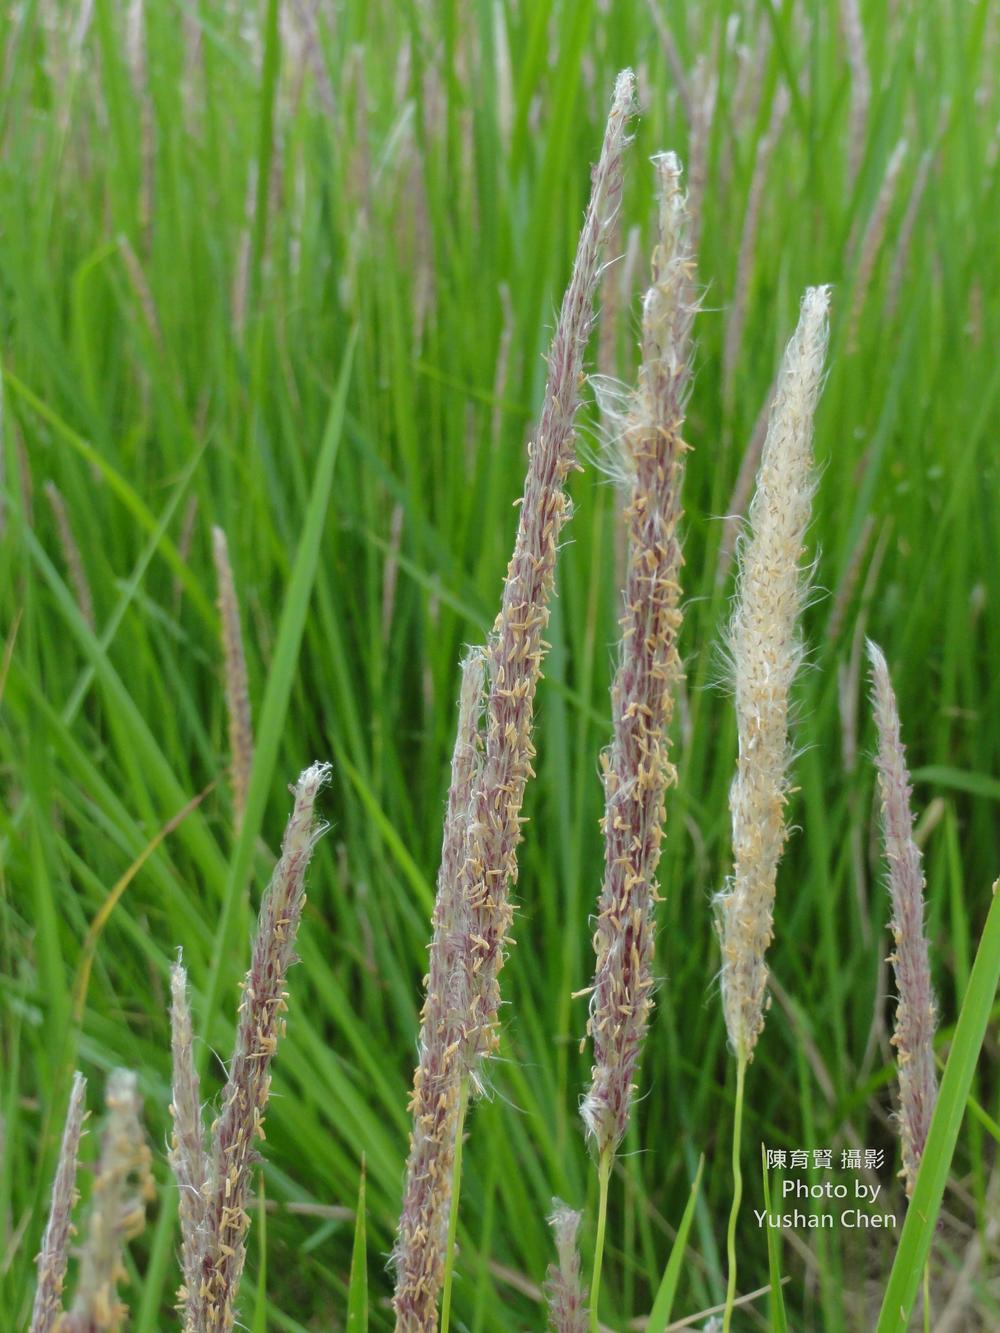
x=279, y=684
x=779, y=1320
x=922, y=1214
x=357, y=1296
x=664, y=1303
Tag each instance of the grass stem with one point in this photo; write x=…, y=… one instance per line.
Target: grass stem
x=603, y=1175
x=734, y=1212
x=927, y=1296
x=456, y=1187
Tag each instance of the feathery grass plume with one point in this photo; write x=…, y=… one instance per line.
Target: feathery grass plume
x=637, y=769
x=237, y=688
x=436, y=1102
x=565, y=1296
x=122, y=1187
x=48, y=1307
x=515, y=649
x=71, y=553
x=187, y=1156
x=766, y=653
x=210, y=1307
x=915, y=1008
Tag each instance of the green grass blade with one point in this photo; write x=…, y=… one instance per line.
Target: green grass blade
x=663, y=1305
x=279, y=685
x=779, y=1320
x=922, y=1213
x=357, y=1296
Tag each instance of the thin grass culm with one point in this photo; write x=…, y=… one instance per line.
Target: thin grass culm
x=766, y=652
x=486, y=867
x=214, y=1237
x=636, y=766
x=53, y=1256
x=916, y=1015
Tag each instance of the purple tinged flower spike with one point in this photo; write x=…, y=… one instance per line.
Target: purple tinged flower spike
x=122, y=1187
x=421, y=1244
x=516, y=647
x=484, y=862
x=52, y=1258
x=187, y=1156
x=210, y=1306
x=565, y=1295
x=916, y=1015
x=637, y=769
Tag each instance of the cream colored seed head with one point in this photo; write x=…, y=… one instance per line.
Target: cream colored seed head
x=766, y=651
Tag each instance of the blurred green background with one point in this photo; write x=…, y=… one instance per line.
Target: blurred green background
x=212, y=216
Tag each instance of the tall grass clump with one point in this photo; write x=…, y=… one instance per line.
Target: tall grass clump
x=766, y=651
x=214, y=1225
x=487, y=866
x=636, y=765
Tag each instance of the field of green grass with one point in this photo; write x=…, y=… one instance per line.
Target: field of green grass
x=291, y=269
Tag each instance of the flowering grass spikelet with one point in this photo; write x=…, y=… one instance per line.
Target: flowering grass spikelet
x=123, y=1185
x=237, y=688
x=187, y=1156
x=766, y=653
x=916, y=1015
x=435, y=1102
x=52, y=1258
x=484, y=861
x=210, y=1307
x=637, y=769
x=565, y=1295
x=516, y=647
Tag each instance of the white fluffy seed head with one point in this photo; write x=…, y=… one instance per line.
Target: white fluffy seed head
x=766, y=651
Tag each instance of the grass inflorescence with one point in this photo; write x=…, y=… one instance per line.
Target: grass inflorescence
x=292, y=275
